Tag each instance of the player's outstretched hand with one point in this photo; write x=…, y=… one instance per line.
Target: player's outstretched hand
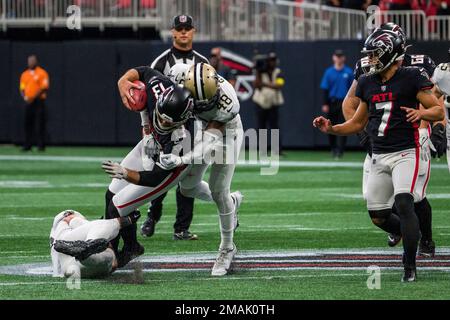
x=323, y=124
x=124, y=91
x=169, y=161
x=115, y=170
x=412, y=115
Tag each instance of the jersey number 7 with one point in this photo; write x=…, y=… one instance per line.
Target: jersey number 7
x=387, y=110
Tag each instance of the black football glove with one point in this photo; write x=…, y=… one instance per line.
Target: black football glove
x=365, y=142
x=439, y=140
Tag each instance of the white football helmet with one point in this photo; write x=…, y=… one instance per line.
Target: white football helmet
x=178, y=73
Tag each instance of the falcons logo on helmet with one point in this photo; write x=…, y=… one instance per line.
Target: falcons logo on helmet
x=384, y=42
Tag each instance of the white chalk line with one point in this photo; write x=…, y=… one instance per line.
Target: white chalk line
x=281, y=163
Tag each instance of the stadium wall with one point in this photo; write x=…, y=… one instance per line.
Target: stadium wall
x=85, y=108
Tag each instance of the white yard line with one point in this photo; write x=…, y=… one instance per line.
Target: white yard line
x=282, y=163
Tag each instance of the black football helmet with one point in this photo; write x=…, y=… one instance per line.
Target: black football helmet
x=383, y=47
x=393, y=27
x=173, y=108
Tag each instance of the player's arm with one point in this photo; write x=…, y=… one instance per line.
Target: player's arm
x=124, y=85
x=356, y=124
x=211, y=135
x=351, y=102
x=214, y=132
x=432, y=110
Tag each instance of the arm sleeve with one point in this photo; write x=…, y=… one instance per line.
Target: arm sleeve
x=154, y=177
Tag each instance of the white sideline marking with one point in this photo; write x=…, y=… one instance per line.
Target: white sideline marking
x=282, y=163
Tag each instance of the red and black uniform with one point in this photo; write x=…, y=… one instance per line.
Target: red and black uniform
x=387, y=126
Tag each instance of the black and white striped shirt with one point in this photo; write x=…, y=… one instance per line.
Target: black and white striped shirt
x=171, y=56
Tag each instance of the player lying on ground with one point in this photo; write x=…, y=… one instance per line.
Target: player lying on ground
x=389, y=108
x=216, y=109
x=82, y=248
x=169, y=108
x=421, y=205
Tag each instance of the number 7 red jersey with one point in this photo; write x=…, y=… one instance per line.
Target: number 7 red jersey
x=387, y=126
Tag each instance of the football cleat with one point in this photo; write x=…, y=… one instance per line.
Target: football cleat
x=427, y=249
x=128, y=254
x=81, y=250
x=184, y=235
x=393, y=239
x=223, y=261
x=148, y=227
x=410, y=275
x=237, y=199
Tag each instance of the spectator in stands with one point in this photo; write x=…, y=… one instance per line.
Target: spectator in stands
x=267, y=94
x=34, y=84
x=336, y=81
x=215, y=59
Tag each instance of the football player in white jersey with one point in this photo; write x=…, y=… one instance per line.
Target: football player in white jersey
x=441, y=78
x=216, y=108
x=81, y=248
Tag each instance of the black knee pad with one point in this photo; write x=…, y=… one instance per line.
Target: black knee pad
x=379, y=216
x=404, y=203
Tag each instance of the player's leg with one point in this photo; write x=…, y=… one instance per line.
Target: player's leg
x=423, y=209
x=366, y=171
x=154, y=214
x=133, y=161
x=379, y=194
x=227, y=204
x=404, y=177
x=185, y=213
x=192, y=185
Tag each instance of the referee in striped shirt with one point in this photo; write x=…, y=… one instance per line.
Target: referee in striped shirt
x=183, y=31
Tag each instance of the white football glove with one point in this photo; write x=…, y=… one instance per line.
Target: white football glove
x=169, y=161
x=425, y=145
x=149, y=149
x=115, y=170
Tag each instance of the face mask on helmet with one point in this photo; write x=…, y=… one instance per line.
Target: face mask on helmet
x=163, y=124
x=173, y=109
x=382, y=49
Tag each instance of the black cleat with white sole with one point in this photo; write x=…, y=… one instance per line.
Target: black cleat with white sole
x=81, y=250
x=393, y=239
x=427, y=249
x=410, y=275
x=128, y=254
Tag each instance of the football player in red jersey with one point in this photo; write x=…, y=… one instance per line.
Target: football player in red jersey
x=389, y=110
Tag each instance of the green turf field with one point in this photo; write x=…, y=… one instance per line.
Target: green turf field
x=304, y=208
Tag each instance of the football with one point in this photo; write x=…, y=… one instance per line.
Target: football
x=139, y=97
